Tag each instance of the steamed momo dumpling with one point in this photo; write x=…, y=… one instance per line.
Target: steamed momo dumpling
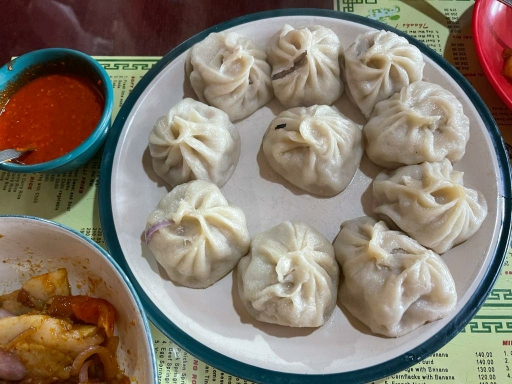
x=194, y=141
x=379, y=64
x=305, y=66
x=430, y=203
x=389, y=281
x=290, y=277
x=423, y=122
x=230, y=72
x=196, y=235
x=316, y=149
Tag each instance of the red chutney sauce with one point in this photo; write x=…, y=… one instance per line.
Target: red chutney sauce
x=53, y=114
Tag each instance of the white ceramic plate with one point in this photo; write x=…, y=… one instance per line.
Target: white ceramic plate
x=30, y=246
x=212, y=324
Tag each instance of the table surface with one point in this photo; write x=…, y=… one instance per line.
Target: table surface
x=153, y=28
x=119, y=27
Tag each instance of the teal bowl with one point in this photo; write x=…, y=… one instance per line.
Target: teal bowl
x=24, y=68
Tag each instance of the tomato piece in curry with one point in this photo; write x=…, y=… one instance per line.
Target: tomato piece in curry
x=53, y=114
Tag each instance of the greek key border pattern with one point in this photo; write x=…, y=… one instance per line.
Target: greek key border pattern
x=489, y=324
x=127, y=65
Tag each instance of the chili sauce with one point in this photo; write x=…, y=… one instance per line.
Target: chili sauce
x=52, y=114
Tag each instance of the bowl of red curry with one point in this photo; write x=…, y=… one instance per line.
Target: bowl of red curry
x=57, y=103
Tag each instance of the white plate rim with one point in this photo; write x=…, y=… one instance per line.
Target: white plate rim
x=258, y=374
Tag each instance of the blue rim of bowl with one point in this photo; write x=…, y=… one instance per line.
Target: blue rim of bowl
x=258, y=374
x=111, y=260
x=100, y=130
